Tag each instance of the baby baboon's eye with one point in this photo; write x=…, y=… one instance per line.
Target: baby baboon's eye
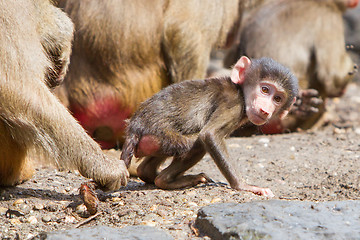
x=265, y=89
x=278, y=99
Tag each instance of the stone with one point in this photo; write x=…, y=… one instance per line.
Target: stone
x=104, y=232
x=279, y=219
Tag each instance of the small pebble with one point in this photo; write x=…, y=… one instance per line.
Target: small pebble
x=191, y=193
x=32, y=220
x=18, y=202
x=46, y=218
x=69, y=219
x=116, y=199
x=206, y=201
x=264, y=140
x=153, y=207
x=3, y=211
x=30, y=236
x=215, y=200
x=15, y=221
x=260, y=165
x=80, y=209
x=357, y=131
x=192, y=204
x=187, y=212
x=38, y=206
x=149, y=223
x=339, y=131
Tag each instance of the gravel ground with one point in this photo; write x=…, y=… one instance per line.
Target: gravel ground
x=319, y=165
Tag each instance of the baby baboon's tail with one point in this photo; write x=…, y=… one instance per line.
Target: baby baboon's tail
x=129, y=148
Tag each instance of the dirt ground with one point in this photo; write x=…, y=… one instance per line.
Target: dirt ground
x=319, y=165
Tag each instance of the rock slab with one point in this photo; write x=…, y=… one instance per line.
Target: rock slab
x=108, y=233
x=279, y=219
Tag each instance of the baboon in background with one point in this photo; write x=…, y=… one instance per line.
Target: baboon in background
x=125, y=51
x=35, y=46
x=306, y=36
x=352, y=35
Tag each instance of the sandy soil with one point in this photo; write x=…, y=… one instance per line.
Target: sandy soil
x=319, y=165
